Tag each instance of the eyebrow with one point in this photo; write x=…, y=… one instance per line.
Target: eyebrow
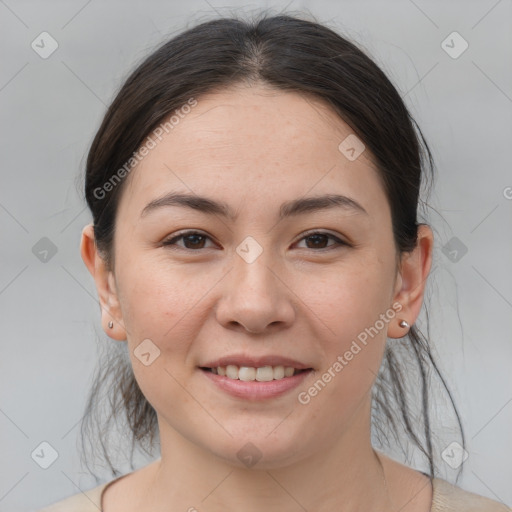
x=288, y=209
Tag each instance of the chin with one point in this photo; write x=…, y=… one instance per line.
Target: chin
x=261, y=449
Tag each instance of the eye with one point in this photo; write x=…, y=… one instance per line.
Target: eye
x=196, y=240
x=318, y=239
x=192, y=239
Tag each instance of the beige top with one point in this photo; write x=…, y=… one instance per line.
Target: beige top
x=446, y=498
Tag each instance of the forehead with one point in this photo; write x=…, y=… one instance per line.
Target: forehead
x=260, y=118
x=250, y=142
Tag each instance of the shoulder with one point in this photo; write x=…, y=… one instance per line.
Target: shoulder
x=450, y=498
x=96, y=498
x=86, y=501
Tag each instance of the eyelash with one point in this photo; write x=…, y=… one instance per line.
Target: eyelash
x=171, y=241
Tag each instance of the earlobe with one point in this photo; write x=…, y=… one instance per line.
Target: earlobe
x=111, y=315
x=411, y=281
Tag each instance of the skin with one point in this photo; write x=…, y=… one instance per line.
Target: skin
x=255, y=148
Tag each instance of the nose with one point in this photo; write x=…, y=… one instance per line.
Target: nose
x=256, y=297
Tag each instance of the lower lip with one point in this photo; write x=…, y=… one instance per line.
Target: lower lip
x=256, y=390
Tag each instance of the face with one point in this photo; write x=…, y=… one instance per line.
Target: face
x=264, y=285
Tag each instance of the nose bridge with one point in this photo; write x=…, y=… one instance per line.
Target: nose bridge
x=255, y=297
x=253, y=263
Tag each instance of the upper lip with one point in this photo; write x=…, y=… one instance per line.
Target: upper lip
x=255, y=362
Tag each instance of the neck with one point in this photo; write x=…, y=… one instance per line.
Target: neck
x=346, y=475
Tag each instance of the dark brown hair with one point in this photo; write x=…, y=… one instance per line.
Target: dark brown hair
x=290, y=54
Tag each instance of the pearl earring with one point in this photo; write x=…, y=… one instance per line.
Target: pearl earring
x=403, y=324
x=110, y=324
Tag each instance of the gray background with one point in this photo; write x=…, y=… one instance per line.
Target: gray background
x=50, y=110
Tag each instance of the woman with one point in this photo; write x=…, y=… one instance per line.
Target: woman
x=254, y=190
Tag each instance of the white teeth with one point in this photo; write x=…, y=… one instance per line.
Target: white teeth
x=247, y=373
x=265, y=374
x=231, y=371
x=278, y=372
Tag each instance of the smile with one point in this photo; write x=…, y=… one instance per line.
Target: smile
x=242, y=382
x=261, y=374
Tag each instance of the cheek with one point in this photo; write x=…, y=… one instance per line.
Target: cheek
x=154, y=292
x=350, y=298
x=168, y=304
x=354, y=307
x=160, y=312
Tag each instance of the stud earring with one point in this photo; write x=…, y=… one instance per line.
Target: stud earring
x=403, y=324
x=110, y=324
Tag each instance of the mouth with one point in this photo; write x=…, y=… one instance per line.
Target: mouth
x=259, y=374
x=255, y=383
x=255, y=378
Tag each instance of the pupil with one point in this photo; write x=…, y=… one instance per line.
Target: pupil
x=316, y=238
x=194, y=243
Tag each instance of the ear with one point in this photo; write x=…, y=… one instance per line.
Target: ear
x=105, y=285
x=411, y=280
